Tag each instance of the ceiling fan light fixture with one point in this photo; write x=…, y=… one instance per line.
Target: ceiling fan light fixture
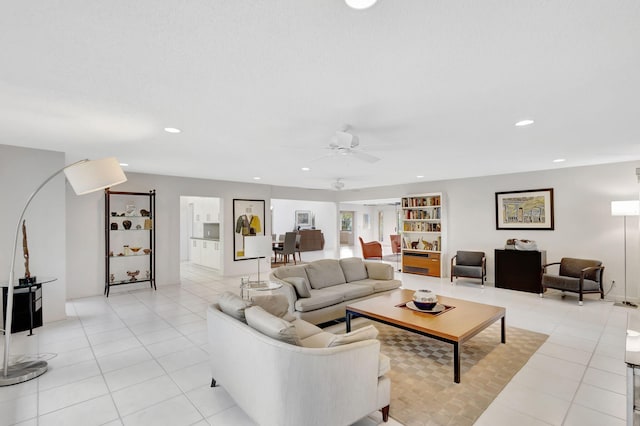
x=360, y=4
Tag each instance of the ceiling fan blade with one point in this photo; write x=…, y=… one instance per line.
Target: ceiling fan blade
x=364, y=156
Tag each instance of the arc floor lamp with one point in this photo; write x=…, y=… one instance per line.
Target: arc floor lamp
x=624, y=209
x=85, y=176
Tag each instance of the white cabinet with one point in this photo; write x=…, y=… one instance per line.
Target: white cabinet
x=211, y=254
x=196, y=251
x=205, y=253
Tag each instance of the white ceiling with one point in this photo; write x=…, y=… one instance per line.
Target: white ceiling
x=433, y=88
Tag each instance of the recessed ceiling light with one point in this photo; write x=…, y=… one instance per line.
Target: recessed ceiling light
x=172, y=130
x=559, y=160
x=305, y=169
x=124, y=164
x=419, y=176
x=523, y=123
x=360, y=4
x=257, y=178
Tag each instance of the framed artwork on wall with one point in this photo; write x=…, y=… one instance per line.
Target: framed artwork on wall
x=303, y=219
x=525, y=210
x=248, y=220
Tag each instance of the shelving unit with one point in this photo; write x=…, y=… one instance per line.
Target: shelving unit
x=422, y=234
x=130, y=238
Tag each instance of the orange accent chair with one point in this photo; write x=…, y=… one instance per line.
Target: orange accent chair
x=371, y=250
x=395, y=243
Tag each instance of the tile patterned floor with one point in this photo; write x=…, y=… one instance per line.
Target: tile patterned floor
x=139, y=358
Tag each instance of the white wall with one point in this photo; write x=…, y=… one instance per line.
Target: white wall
x=584, y=226
x=325, y=217
x=22, y=170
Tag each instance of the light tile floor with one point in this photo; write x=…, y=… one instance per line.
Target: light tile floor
x=140, y=358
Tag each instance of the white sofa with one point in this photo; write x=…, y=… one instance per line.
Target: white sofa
x=281, y=384
x=319, y=291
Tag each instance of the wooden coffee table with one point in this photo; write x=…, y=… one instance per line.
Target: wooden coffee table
x=455, y=325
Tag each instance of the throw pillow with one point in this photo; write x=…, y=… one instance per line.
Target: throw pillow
x=364, y=333
x=271, y=325
x=301, y=285
x=275, y=304
x=233, y=305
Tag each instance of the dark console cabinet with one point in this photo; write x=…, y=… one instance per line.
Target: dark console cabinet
x=24, y=317
x=519, y=269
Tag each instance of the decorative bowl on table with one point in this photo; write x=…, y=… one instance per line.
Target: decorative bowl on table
x=425, y=299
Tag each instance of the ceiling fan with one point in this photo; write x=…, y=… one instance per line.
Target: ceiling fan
x=345, y=143
x=338, y=184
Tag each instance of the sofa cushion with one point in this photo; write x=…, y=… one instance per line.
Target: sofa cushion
x=467, y=271
x=319, y=299
x=275, y=304
x=364, y=333
x=303, y=289
x=380, y=285
x=233, y=305
x=271, y=325
x=291, y=271
x=379, y=271
x=318, y=340
x=568, y=283
x=305, y=329
x=325, y=273
x=352, y=290
x=353, y=269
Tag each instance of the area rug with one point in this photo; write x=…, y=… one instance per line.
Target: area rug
x=422, y=387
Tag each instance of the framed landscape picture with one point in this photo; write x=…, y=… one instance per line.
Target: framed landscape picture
x=248, y=220
x=303, y=219
x=529, y=209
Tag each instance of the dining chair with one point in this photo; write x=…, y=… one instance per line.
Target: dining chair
x=287, y=248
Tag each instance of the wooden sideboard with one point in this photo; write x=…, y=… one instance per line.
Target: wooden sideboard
x=311, y=240
x=519, y=269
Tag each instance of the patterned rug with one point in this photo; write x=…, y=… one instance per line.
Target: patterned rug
x=422, y=387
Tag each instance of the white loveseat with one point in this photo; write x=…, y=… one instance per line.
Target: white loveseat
x=319, y=291
x=277, y=383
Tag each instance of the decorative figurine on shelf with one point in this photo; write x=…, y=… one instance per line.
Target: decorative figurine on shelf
x=144, y=212
x=114, y=226
x=28, y=279
x=146, y=251
x=126, y=224
x=133, y=275
x=112, y=278
x=138, y=226
x=127, y=251
x=414, y=244
x=110, y=253
x=129, y=209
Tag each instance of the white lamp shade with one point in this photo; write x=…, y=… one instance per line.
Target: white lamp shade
x=94, y=175
x=257, y=246
x=625, y=208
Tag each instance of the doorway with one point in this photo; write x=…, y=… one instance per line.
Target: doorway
x=347, y=226
x=201, y=245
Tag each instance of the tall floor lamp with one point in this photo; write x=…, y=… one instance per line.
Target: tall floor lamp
x=85, y=176
x=624, y=209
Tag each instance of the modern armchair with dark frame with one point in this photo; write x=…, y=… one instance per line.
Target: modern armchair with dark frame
x=582, y=276
x=469, y=264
